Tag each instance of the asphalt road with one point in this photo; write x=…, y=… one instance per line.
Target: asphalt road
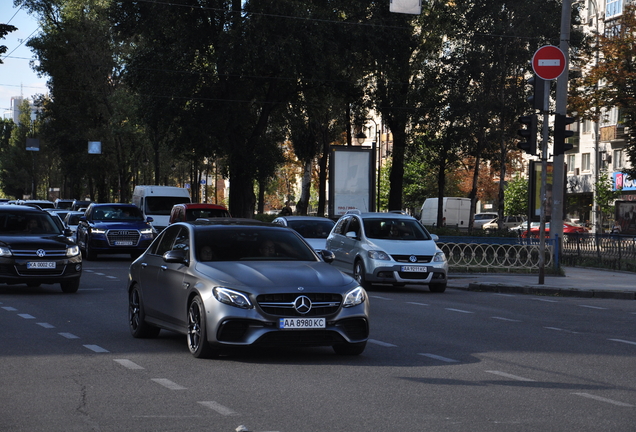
x=457, y=361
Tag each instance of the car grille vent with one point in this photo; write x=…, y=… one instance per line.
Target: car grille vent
x=405, y=258
x=123, y=237
x=283, y=304
x=23, y=271
x=32, y=253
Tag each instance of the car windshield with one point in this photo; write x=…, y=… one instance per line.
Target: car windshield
x=205, y=213
x=311, y=228
x=162, y=206
x=395, y=229
x=23, y=223
x=240, y=244
x=117, y=213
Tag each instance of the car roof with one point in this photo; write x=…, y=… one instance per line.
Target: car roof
x=227, y=221
x=21, y=208
x=307, y=218
x=93, y=205
x=201, y=206
x=381, y=215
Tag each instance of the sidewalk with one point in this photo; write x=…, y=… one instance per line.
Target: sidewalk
x=577, y=282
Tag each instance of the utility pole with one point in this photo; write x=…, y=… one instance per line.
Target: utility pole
x=556, y=219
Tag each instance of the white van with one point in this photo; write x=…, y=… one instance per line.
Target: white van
x=157, y=202
x=456, y=212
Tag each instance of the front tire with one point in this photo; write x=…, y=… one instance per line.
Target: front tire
x=197, y=331
x=359, y=274
x=139, y=328
x=70, y=286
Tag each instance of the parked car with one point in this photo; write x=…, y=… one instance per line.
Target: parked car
x=387, y=248
x=113, y=229
x=190, y=211
x=232, y=283
x=71, y=221
x=79, y=204
x=40, y=204
x=64, y=204
x=313, y=229
x=568, y=228
x=34, y=250
x=483, y=218
x=508, y=223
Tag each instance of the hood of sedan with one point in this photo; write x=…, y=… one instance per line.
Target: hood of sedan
x=41, y=241
x=404, y=247
x=280, y=275
x=110, y=225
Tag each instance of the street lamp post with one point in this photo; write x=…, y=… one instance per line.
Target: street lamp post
x=595, y=215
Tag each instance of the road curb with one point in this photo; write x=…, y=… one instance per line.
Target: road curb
x=546, y=291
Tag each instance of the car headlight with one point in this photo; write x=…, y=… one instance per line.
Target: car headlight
x=146, y=231
x=378, y=255
x=354, y=297
x=72, y=251
x=232, y=298
x=5, y=252
x=439, y=257
x=98, y=231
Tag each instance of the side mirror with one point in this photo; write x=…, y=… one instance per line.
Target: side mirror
x=149, y=219
x=82, y=218
x=68, y=232
x=327, y=256
x=178, y=256
x=435, y=237
x=351, y=235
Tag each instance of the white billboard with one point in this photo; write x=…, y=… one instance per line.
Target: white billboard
x=350, y=180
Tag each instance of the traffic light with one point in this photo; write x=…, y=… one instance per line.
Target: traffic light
x=538, y=92
x=560, y=133
x=529, y=133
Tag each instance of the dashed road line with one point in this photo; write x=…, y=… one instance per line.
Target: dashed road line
x=561, y=330
x=623, y=341
x=381, y=298
x=602, y=399
x=223, y=410
x=592, y=307
x=26, y=316
x=168, y=384
x=507, y=375
x=46, y=325
x=9, y=308
x=440, y=358
x=545, y=300
x=417, y=304
x=128, y=364
x=459, y=310
x=384, y=344
x=69, y=335
x=96, y=348
x=505, y=319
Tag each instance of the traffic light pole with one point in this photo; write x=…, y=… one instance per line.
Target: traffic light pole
x=556, y=222
x=544, y=179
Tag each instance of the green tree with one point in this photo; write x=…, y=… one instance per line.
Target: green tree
x=605, y=197
x=5, y=29
x=516, y=196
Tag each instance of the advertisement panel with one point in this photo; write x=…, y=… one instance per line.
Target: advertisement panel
x=350, y=180
x=535, y=191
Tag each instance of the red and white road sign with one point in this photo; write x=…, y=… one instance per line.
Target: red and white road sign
x=548, y=62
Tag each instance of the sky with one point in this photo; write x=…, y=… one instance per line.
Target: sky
x=16, y=76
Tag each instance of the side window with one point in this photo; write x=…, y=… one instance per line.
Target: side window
x=340, y=225
x=354, y=226
x=182, y=241
x=166, y=241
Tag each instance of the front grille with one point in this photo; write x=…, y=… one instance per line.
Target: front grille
x=405, y=258
x=21, y=270
x=322, y=304
x=413, y=275
x=355, y=328
x=123, y=237
x=32, y=253
x=300, y=338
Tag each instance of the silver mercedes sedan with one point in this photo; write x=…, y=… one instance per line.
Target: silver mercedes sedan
x=232, y=283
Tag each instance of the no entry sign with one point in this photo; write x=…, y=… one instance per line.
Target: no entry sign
x=548, y=62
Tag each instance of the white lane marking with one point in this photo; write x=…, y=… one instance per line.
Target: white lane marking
x=458, y=310
x=416, y=303
x=505, y=319
x=561, y=330
x=544, y=300
x=593, y=307
x=436, y=357
x=96, y=348
x=46, y=325
x=505, y=295
x=111, y=277
x=69, y=335
x=9, y=308
x=128, y=364
x=168, y=384
x=507, y=375
x=384, y=344
x=99, y=274
x=26, y=316
x=223, y=410
x=623, y=341
x=381, y=298
x=602, y=399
